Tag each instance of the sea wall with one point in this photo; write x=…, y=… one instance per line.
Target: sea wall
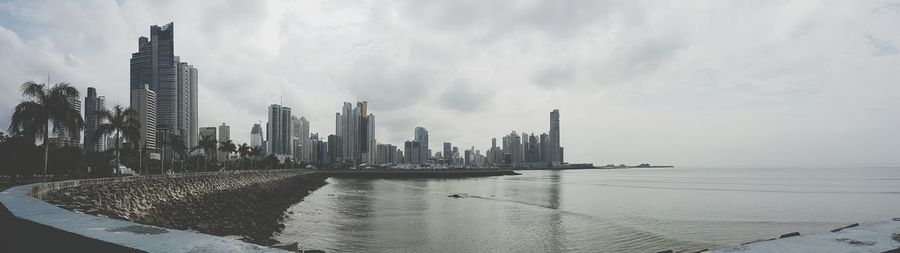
x=249, y=204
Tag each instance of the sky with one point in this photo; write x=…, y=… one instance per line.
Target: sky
x=685, y=83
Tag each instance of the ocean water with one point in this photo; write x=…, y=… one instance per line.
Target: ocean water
x=629, y=210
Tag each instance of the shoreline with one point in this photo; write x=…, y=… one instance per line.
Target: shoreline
x=240, y=206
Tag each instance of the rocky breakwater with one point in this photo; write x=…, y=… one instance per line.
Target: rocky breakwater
x=251, y=205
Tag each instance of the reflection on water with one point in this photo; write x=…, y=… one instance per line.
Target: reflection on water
x=640, y=210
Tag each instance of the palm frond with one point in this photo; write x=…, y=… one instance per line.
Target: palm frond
x=35, y=91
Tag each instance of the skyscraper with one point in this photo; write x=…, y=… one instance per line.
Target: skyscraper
x=224, y=135
x=144, y=102
x=186, y=107
x=421, y=135
x=194, y=137
x=92, y=105
x=334, y=149
x=256, y=136
x=448, y=150
x=412, y=151
x=173, y=82
x=356, y=128
x=306, y=151
x=278, y=132
x=555, y=156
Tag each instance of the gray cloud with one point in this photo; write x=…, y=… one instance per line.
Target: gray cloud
x=463, y=97
x=724, y=82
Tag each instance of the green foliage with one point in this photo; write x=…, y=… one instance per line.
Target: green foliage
x=42, y=107
x=19, y=156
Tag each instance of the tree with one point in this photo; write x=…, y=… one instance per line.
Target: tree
x=228, y=148
x=208, y=145
x=255, y=153
x=123, y=122
x=271, y=161
x=243, y=151
x=45, y=106
x=175, y=143
x=19, y=155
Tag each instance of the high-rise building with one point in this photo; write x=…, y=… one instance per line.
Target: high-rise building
x=448, y=151
x=186, y=123
x=357, y=131
x=92, y=105
x=555, y=156
x=224, y=135
x=306, y=151
x=173, y=82
x=512, y=147
x=545, y=148
x=256, y=136
x=335, y=147
x=278, y=132
x=194, y=137
x=413, y=152
x=370, y=139
x=144, y=102
x=421, y=135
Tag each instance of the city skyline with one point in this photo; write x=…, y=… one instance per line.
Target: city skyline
x=679, y=89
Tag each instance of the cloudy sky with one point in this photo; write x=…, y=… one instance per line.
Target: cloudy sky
x=691, y=83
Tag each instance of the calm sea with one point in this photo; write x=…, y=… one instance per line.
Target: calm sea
x=632, y=210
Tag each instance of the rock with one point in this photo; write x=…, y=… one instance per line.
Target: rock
x=789, y=235
x=842, y=228
x=295, y=247
x=312, y=251
x=896, y=237
x=666, y=251
x=895, y=219
x=756, y=241
x=454, y=196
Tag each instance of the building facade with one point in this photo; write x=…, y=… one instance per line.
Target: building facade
x=93, y=104
x=278, y=131
x=144, y=102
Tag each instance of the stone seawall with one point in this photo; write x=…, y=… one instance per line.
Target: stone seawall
x=250, y=205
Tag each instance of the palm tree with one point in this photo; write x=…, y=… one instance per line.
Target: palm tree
x=255, y=152
x=229, y=148
x=121, y=121
x=45, y=106
x=243, y=150
x=175, y=143
x=179, y=147
x=208, y=145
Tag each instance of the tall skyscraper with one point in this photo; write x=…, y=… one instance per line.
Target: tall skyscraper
x=173, y=82
x=256, y=136
x=144, y=102
x=224, y=135
x=555, y=156
x=370, y=139
x=306, y=151
x=92, y=105
x=278, y=132
x=194, y=137
x=413, y=152
x=356, y=128
x=421, y=135
x=186, y=107
x=512, y=148
x=448, y=150
x=334, y=149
